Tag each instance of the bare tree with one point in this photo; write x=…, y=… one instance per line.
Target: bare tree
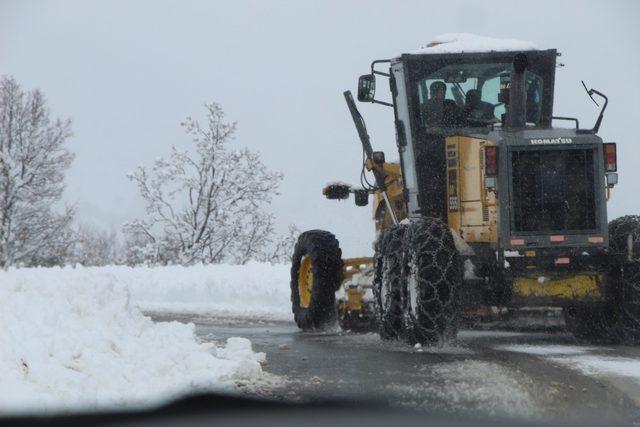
x=137, y=248
x=205, y=204
x=33, y=160
x=281, y=249
x=92, y=246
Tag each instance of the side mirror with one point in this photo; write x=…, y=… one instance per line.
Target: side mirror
x=366, y=88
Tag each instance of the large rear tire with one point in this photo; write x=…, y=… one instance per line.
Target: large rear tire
x=617, y=320
x=316, y=273
x=387, y=282
x=624, y=235
x=433, y=274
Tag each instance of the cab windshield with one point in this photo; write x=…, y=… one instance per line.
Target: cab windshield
x=470, y=95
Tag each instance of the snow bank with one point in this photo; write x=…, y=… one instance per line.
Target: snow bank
x=585, y=359
x=603, y=365
x=71, y=339
x=465, y=42
x=252, y=290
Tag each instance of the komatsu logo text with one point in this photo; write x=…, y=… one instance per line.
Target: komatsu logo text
x=550, y=141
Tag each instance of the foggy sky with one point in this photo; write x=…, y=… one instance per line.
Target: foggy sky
x=127, y=73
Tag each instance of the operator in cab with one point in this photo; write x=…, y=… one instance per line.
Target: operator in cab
x=476, y=110
x=439, y=111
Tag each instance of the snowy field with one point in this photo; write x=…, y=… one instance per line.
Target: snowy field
x=76, y=338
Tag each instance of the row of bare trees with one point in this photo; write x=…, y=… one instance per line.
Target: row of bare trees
x=206, y=202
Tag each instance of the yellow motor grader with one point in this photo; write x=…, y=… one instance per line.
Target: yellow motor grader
x=489, y=206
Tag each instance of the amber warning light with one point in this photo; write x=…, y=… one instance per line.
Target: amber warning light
x=610, y=157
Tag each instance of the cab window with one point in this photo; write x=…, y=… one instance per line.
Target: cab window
x=470, y=95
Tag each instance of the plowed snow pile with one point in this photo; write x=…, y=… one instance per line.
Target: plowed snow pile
x=251, y=290
x=71, y=339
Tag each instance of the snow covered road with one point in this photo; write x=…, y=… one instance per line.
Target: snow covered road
x=537, y=375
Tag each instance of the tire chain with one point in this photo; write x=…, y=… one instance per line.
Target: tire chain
x=425, y=250
x=619, y=231
x=433, y=264
x=621, y=228
x=388, y=282
x=618, y=319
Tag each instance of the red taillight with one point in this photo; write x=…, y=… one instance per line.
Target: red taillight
x=610, y=157
x=491, y=160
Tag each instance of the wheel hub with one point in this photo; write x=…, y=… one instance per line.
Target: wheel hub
x=305, y=281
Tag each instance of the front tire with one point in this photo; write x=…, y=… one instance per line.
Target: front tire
x=316, y=273
x=433, y=274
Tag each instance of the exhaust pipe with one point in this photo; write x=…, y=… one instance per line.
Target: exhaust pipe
x=517, y=117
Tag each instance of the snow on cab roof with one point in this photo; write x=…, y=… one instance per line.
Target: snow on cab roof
x=465, y=43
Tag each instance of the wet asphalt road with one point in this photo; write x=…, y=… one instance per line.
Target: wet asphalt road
x=480, y=373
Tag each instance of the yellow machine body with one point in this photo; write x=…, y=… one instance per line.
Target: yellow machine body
x=570, y=288
x=473, y=215
x=473, y=211
x=395, y=192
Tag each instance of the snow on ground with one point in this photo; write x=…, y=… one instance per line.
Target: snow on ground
x=545, y=350
x=598, y=365
x=255, y=290
x=465, y=42
x=251, y=290
x=74, y=339
x=474, y=385
x=588, y=360
x=446, y=349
